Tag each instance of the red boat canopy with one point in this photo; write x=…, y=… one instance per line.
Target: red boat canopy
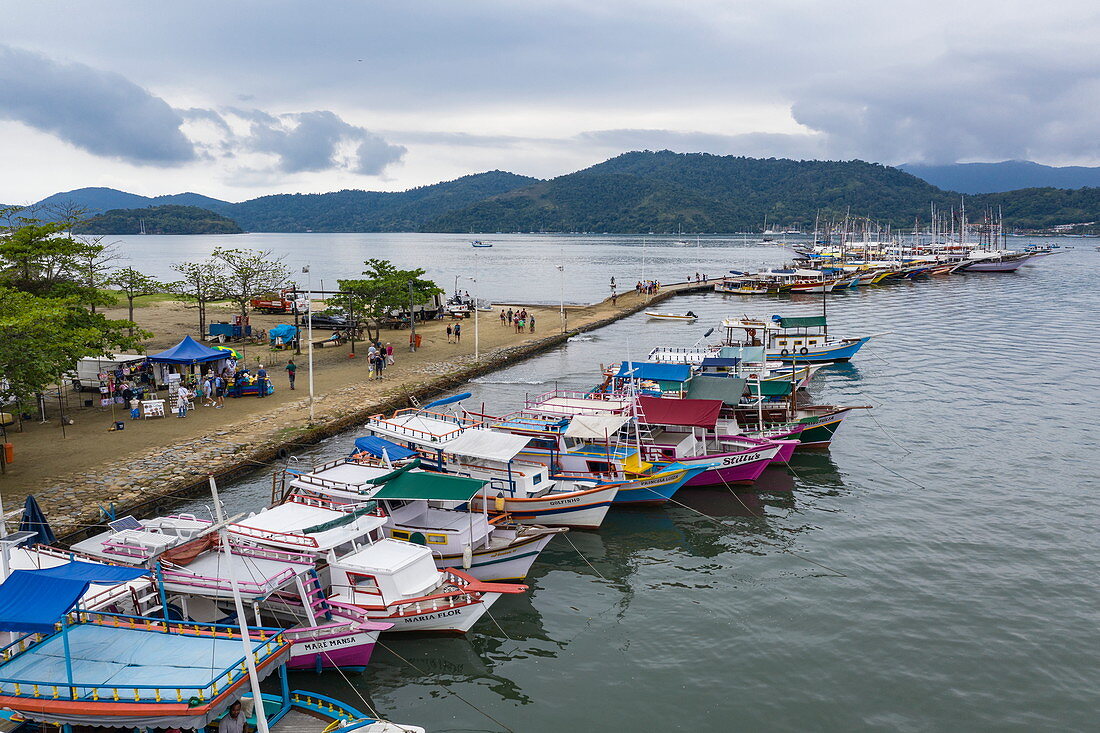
x=688, y=413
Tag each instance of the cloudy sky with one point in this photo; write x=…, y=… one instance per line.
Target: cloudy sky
x=238, y=99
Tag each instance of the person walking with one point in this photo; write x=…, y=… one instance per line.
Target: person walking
x=503, y=317
x=183, y=396
x=219, y=390
x=208, y=390
x=450, y=332
x=261, y=382
x=291, y=371
x=510, y=316
x=389, y=354
x=381, y=358
x=458, y=333
x=531, y=322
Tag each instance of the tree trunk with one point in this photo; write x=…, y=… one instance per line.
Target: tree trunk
x=130, y=302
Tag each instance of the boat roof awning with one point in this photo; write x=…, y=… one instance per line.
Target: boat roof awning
x=424, y=486
x=35, y=600
x=595, y=427
x=491, y=445
x=720, y=361
x=682, y=412
x=716, y=387
x=747, y=354
x=802, y=322
x=658, y=371
x=376, y=446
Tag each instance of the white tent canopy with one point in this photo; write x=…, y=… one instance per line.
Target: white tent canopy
x=487, y=444
x=595, y=427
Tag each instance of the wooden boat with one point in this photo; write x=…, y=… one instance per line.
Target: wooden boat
x=434, y=509
x=689, y=316
x=803, y=339
x=520, y=489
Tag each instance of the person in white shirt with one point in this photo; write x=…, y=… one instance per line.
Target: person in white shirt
x=182, y=398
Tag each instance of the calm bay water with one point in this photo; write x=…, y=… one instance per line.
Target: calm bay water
x=936, y=570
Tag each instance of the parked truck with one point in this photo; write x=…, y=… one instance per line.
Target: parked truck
x=286, y=301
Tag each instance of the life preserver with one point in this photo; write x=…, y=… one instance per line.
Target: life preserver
x=784, y=352
x=803, y=351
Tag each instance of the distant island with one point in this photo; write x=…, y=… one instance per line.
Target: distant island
x=633, y=193
x=159, y=220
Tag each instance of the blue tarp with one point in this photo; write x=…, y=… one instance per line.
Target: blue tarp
x=31, y=602
x=657, y=371
x=747, y=354
x=375, y=445
x=716, y=361
x=35, y=521
x=448, y=400
x=284, y=331
x=90, y=572
x=188, y=351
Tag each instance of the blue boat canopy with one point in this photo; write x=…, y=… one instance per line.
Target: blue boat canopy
x=375, y=446
x=656, y=371
x=747, y=354
x=91, y=572
x=34, y=600
x=188, y=351
x=448, y=400
x=720, y=361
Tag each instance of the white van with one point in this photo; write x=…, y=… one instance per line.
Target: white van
x=85, y=377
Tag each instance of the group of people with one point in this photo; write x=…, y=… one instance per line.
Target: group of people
x=213, y=386
x=454, y=333
x=648, y=287
x=698, y=279
x=378, y=358
x=520, y=319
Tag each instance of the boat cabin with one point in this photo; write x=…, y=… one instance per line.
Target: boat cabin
x=389, y=571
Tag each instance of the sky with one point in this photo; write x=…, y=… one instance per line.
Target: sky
x=244, y=98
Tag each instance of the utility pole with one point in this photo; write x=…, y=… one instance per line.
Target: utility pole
x=309, y=334
x=412, y=320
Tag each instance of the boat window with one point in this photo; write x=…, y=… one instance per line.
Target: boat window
x=543, y=443
x=363, y=583
x=599, y=467
x=536, y=479
x=399, y=534
x=437, y=539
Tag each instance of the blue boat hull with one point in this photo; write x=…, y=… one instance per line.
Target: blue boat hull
x=842, y=352
x=655, y=491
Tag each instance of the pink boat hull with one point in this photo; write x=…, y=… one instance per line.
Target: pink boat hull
x=740, y=473
x=350, y=657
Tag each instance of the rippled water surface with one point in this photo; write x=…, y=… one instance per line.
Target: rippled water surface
x=935, y=570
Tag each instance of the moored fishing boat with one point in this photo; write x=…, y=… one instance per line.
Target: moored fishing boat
x=689, y=316
x=804, y=339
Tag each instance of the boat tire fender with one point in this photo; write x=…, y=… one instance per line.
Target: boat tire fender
x=803, y=351
x=784, y=352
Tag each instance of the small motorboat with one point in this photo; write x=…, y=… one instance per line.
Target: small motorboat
x=479, y=243
x=689, y=316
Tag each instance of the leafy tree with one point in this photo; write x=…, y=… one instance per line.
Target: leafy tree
x=92, y=270
x=133, y=285
x=385, y=289
x=39, y=257
x=248, y=273
x=202, y=282
x=42, y=338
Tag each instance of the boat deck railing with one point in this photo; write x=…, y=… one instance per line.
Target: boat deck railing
x=460, y=423
x=267, y=643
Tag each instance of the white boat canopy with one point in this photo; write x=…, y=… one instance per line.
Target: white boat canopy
x=594, y=427
x=490, y=445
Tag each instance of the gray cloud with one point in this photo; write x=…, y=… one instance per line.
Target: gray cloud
x=98, y=111
x=311, y=141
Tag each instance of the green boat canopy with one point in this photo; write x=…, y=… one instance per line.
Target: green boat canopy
x=770, y=388
x=716, y=387
x=423, y=486
x=805, y=322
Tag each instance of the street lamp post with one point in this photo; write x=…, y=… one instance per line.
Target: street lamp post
x=477, y=331
x=309, y=334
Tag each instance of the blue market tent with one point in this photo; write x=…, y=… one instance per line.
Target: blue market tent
x=34, y=600
x=375, y=446
x=188, y=351
x=656, y=371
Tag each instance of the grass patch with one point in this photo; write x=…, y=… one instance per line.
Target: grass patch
x=144, y=300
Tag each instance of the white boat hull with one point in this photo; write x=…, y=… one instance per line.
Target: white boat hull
x=507, y=563
x=573, y=509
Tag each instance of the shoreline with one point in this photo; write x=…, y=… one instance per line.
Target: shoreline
x=161, y=476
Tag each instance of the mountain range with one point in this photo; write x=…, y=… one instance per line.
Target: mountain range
x=1008, y=175
x=635, y=192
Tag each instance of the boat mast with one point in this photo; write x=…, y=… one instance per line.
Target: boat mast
x=242, y=620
